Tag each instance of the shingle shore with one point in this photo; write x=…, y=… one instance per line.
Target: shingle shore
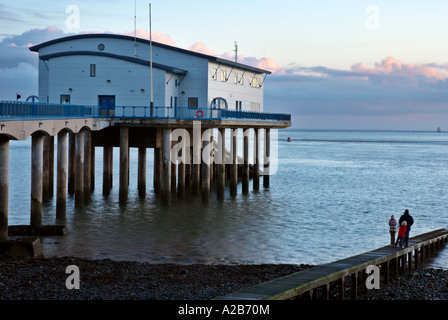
x=45, y=279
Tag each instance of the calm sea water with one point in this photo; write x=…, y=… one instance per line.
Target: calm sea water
x=331, y=198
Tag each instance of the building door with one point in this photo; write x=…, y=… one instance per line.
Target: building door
x=107, y=104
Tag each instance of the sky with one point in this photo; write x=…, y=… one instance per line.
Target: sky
x=346, y=64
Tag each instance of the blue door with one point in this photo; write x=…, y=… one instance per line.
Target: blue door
x=107, y=104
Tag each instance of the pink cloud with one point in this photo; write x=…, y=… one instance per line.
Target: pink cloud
x=202, y=48
x=394, y=67
x=262, y=63
x=156, y=36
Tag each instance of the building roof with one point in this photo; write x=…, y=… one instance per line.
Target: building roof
x=158, y=44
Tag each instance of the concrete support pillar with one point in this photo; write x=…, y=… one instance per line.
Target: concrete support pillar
x=142, y=172
x=51, y=168
x=256, y=174
x=267, y=155
x=234, y=165
x=173, y=176
x=206, y=157
x=92, y=165
x=46, y=169
x=124, y=164
x=212, y=156
x=181, y=179
x=245, y=171
x=36, y=179
x=107, y=170
x=166, y=166
x=61, y=184
x=188, y=161
x=87, y=164
x=221, y=164
x=79, y=169
x=196, y=170
x=157, y=170
x=181, y=167
x=188, y=167
x=4, y=187
x=71, y=164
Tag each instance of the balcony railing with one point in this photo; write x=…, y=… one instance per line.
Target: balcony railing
x=14, y=110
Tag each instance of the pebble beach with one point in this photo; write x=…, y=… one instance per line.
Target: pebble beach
x=45, y=279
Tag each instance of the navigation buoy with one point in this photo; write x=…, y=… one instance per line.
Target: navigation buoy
x=289, y=139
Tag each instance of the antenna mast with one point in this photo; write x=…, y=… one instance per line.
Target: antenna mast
x=236, y=52
x=150, y=52
x=135, y=27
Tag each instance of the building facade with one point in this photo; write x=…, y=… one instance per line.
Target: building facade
x=114, y=70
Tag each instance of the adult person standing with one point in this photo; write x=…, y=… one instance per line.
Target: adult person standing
x=392, y=229
x=410, y=221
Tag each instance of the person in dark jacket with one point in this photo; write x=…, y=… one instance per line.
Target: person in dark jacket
x=410, y=221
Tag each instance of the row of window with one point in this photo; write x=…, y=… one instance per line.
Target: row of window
x=254, y=81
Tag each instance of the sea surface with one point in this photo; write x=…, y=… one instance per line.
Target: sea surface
x=331, y=197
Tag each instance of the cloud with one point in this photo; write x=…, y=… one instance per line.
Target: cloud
x=262, y=63
x=157, y=36
x=18, y=65
x=389, y=71
x=200, y=47
x=390, y=90
x=8, y=15
x=14, y=49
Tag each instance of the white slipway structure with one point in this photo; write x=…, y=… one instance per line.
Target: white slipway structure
x=114, y=70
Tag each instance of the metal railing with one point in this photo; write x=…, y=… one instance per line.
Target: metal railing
x=15, y=110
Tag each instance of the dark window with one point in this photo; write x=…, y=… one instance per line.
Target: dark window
x=65, y=99
x=193, y=103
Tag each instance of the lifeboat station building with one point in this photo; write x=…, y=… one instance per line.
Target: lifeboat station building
x=98, y=92
x=115, y=70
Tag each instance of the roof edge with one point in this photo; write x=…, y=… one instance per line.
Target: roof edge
x=36, y=48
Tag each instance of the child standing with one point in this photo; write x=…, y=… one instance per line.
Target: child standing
x=401, y=234
x=392, y=229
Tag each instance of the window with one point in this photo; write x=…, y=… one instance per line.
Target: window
x=223, y=75
x=193, y=103
x=215, y=72
x=255, y=82
x=65, y=99
x=236, y=78
x=93, y=70
x=238, y=105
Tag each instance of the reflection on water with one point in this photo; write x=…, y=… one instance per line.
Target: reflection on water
x=328, y=200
